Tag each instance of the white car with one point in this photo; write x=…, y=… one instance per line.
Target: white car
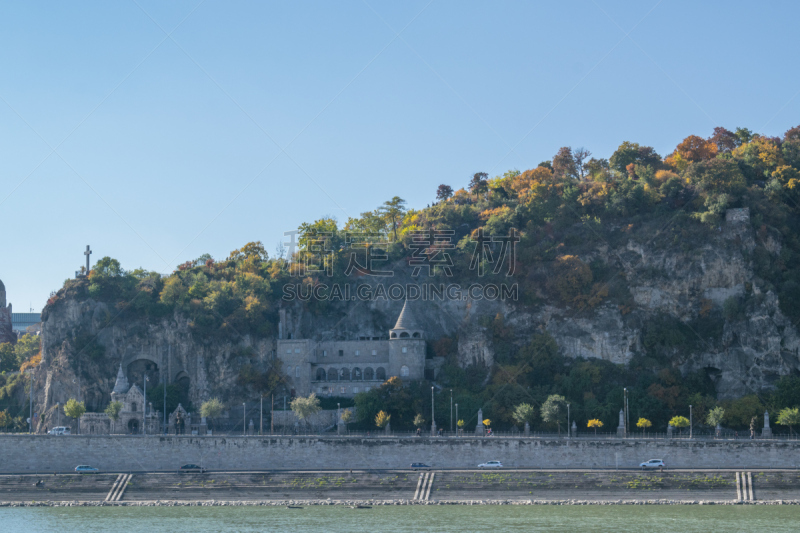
x=653, y=463
x=60, y=430
x=491, y=464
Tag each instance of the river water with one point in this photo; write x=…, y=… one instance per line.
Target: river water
x=402, y=519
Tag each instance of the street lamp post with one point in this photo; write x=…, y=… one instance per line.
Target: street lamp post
x=569, y=431
x=433, y=415
x=30, y=418
x=144, y=407
x=456, y=420
x=261, y=417
x=451, y=410
x=244, y=418
x=164, y=384
x=690, y=421
x=625, y=406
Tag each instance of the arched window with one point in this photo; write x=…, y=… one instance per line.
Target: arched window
x=404, y=371
x=404, y=335
x=416, y=335
x=297, y=372
x=369, y=374
x=333, y=374
x=394, y=335
x=344, y=374
x=133, y=407
x=356, y=374
x=289, y=371
x=380, y=373
x=321, y=374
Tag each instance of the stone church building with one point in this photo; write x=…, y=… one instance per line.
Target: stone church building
x=345, y=368
x=6, y=329
x=130, y=418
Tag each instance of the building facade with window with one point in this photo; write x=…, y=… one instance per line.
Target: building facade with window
x=345, y=368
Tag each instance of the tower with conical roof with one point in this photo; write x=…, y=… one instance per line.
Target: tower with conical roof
x=407, y=346
x=406, y=326
x=121, y=386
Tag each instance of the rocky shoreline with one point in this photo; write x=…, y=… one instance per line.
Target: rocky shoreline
x=377, y=503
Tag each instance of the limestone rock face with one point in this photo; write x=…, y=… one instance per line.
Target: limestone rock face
x=679, y=280
x=83, y=345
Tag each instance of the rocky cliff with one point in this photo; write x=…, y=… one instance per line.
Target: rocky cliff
x=729, y=319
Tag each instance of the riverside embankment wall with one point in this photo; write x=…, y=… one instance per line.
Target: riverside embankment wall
x=29, y=453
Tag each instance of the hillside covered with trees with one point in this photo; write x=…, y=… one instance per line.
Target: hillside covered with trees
x=564, y=210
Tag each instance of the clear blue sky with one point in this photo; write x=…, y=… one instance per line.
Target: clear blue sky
x=251, y=118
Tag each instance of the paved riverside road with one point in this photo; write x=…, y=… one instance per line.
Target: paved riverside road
x=445, y=485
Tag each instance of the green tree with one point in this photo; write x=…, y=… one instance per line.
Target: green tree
x=789, y=417
x=5, y=419
x=8, y=358
x=643, y=424
x=113, y=409
x=554, y=409
x=321, y=231
x=787, y=391
x=211, y=409
x=524, y=412
x=594, y=423
x=74, y=409
x=739, y=412
x=679, y=422
x=304, y=408
x=478, y=184
x=444, y=192
x=419, y=421
x=393, y=211
x=715, y=416
x=251, y=250
x=381, y=419
x=631, y=153
x=347, y=416
x=564, y=165
x=27, y=347
x=393, y=397
x=106, y=268
x=175, y=395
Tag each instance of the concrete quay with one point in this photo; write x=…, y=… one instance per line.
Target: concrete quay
x=405, y=487
x=47, y=453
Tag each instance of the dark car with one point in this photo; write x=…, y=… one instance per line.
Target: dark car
x=417, y=466
x=191, y=468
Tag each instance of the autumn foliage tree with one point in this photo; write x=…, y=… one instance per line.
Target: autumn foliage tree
x=381, y=419
x=692, y=148
x=444, y=192
x=564, y=165
x=570, y=277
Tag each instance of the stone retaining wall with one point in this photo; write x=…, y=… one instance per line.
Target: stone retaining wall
x=30, y=453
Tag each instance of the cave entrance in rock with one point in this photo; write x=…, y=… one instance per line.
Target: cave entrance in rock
x=138, y=368
x=182, y=382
